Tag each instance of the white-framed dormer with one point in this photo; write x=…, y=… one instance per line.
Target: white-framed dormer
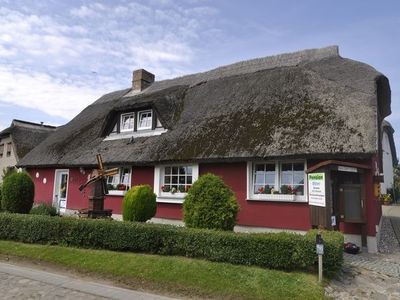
x=135, y=124
x=172, y=181
x=277, y=180
x=127, y=122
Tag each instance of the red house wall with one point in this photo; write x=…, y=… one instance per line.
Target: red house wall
x=140, y=175
x=259, y=213
x=43, y=191
x=252, y=213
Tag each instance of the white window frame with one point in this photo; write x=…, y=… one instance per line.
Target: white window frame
x=168, y=197
x=117, y=192
x=121, y=123
x=138, y=119
x=274, y=197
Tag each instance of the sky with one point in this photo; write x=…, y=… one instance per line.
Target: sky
x=57, y=57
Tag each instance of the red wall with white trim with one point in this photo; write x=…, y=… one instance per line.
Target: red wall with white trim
x=252, y=213
x=259, y=213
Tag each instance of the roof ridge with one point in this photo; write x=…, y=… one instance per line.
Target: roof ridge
x=246, y=66
x=38, y=125
x=275, y=61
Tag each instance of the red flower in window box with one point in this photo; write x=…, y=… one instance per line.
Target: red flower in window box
x=292, y=190
x=261, y=190
x=121, y=187
x=165, y=189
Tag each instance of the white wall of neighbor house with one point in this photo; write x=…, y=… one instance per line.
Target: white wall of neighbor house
x=387, y=160
x=7, y=158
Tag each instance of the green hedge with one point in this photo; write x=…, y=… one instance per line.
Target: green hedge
x=285, y=251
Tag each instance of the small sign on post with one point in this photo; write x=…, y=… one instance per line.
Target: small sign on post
x=320, y=252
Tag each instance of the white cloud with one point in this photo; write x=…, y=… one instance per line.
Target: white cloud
x=45, y=93
x=59, y=63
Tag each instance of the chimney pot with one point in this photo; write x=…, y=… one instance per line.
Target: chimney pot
x=141, y=79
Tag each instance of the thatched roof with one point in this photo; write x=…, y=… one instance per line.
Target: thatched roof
x=308, y=103
x=26, y=135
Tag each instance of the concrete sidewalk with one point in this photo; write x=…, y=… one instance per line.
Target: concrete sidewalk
x=391, y=210
x=22, y=283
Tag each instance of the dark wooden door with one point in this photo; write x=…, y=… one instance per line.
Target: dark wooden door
x=352, y=203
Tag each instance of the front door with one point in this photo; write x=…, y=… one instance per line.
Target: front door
x=352, y=203
x=60, y=189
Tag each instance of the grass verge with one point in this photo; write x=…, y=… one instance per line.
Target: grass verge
x=175, y=275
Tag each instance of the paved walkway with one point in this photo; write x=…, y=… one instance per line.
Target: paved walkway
x=372, y=276
x=25, y=283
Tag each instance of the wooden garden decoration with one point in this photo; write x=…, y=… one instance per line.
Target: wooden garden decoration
x=98, y=182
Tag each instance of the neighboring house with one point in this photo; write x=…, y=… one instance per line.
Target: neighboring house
x=389, y=157
x=18, y=139
x=261, y=125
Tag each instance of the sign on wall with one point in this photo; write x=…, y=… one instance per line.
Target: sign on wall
x=316, y=189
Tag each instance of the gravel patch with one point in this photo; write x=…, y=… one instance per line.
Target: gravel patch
x=388, y=242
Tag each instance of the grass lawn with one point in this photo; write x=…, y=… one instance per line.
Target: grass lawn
x=175, y=275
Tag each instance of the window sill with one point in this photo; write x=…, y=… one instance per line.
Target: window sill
x=170, y=199
x=116, y=193
x=279, y=198
x=135, y=134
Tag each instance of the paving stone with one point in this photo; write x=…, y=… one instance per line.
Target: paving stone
x=371, y=276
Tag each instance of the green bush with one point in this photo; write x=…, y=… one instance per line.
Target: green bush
x=17, y=193
x=139, y=204
x=44, y=209
x=284, y=251
x=1, y=207
x=210, y=204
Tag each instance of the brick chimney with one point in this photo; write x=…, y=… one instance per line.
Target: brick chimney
x=141, y=79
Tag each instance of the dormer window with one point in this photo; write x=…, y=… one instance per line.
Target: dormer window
x=135, y=123
x=127, y=122
x=145, y=120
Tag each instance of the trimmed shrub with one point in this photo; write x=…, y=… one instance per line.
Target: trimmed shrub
x=139, y=204
x=210, y=204
x=284, y=251
x=43, y=209
x=17, y=193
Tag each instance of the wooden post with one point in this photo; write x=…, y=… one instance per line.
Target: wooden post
x=320, y=268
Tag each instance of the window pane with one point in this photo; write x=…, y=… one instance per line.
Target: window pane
x=260, y=167
x=298, y=167
x=125, y=176
x=167, y=179
x=63, y=185
x=175, y=170
x=270, y=174
x=175, y=179
x=189, y=180
x=167, y=170
x=286, y=174
x=298, y=177
x=182, y=179
x=260, y=178
x=145, y=120
x=127, y=122
x=189, y=170
x=182, y=170
x=299, y=189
